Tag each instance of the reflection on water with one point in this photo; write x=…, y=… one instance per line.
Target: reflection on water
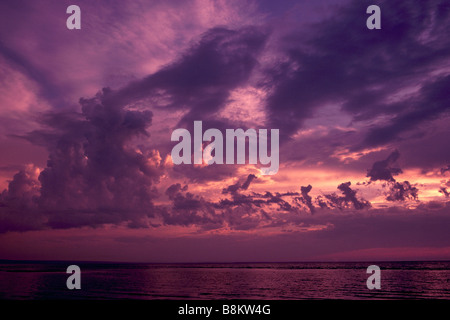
x=399, y=280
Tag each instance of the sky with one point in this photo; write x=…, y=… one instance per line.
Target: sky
x=86, y=118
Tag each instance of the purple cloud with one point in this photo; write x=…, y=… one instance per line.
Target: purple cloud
x=401, y=191
x=383, y=170
x=93, y=176
x=339, y=61
x=388, y=83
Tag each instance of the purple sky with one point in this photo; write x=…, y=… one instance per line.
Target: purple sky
x=86, y=118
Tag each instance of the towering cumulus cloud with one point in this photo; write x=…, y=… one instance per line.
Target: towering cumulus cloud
x=93, y=175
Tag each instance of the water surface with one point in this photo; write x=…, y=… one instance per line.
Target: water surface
x=285, y=281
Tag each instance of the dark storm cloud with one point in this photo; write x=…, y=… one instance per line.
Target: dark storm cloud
x=91, y=165
x=350, y=196
x=247, y=182
x=22, y=189
x=201, y=81
x=174, y=189
x=341, y=61
x=431, y=102
x=383, y=170
x=18, y=204
x=306, y=198
x=401, y=191
x=240, y=212
x=189, y=209
x=81, y=186
x=235, y=187
x=92, y=175
x=244, y=209
x=348, y=199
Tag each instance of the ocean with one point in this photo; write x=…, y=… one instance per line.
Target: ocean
x=207, y=281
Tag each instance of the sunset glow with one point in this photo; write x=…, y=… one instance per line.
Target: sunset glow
x=86, y=170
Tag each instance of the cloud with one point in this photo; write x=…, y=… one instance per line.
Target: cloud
x=175, y=189
x=306, y=198
x=24, y=188
x=444, y=191
x=93, y=175
x=200, y=82
x=445, y=183
x=383, y=170
x=402, y=191
x=348, y=199
x=244, y=209
x=431, y=102
x=394, y=73
x=18, y=210
x=232, y=189
x=387, y=83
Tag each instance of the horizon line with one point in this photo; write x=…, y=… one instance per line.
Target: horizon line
x=218, y=262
